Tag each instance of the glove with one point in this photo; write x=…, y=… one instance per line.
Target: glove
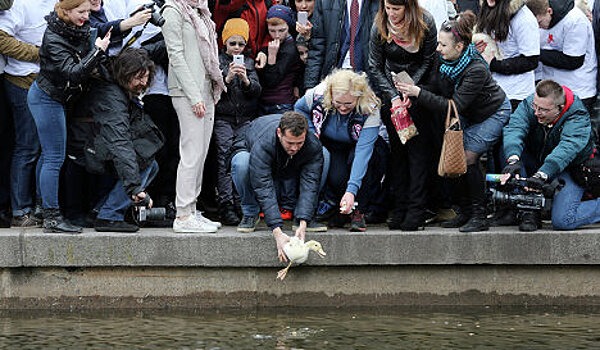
x=513, y=168
x=536, y=182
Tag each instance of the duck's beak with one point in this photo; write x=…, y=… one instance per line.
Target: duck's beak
x=321, y=253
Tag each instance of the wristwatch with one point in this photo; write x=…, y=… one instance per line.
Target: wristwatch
x=541, y=175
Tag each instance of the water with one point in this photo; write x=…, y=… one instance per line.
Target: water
x=465, y=328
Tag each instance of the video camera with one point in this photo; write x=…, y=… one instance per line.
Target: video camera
x=142, y=212
x=513, y=194
x=156, y=17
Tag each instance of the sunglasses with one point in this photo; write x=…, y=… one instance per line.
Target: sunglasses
x=448, y=26
x=236, y=43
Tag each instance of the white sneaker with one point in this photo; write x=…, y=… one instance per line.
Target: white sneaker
x=192, y=225
x=207, y=221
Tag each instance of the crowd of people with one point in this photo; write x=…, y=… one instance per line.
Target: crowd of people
x=286, y=110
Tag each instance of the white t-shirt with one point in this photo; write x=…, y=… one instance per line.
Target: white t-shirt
x=574, y=36
x=438, y=9
x=523, y=39
x=25, y=22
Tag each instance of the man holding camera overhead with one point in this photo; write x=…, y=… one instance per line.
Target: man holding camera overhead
x=125, y=139
x=550, y=136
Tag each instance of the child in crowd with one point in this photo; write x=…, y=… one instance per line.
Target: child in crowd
x=284, y=67
x=237, y=107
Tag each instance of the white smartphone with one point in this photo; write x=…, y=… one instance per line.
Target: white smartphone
x=303, y=17
x=238, y=59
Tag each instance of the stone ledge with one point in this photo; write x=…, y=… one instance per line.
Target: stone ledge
x=379, y=246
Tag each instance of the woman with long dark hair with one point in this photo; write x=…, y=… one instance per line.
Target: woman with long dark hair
x=403, y=39
x=464, y=76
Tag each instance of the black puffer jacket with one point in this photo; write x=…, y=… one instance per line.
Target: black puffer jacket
x=125, y=139
x=66, y=59
x=240, y=103
x=476, y=94
x=325, y=45
x=386, y=58
x=269, y=161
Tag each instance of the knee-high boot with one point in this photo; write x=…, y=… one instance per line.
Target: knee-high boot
x=476, y=189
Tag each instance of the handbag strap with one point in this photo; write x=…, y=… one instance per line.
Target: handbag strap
x=450, y=119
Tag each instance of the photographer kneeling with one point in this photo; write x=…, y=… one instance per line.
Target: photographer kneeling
x=125, y=140
x=550, y=136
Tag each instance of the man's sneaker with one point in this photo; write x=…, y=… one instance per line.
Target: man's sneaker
x=102, y=225
x=325, y=210
x=192, y=225
x=207, y=221
x=248, y=224
x=311, y=226
x=286, y=214
x=357, y=222
x=26, y=220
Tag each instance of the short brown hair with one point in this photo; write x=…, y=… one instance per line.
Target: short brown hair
x=294, y=122
x=276, y=21
x=538, y=7
x=550, y=88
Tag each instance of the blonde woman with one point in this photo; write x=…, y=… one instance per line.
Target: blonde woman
x=195, y=85
x=343, y=112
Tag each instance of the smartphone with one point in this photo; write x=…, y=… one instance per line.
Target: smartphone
x=402, y=77
x=93, y=36
x=238, y=59
x=303, y=17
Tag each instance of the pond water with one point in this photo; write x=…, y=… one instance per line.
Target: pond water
x=281, y=329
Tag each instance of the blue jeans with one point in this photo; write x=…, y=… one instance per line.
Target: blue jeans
x=49, y=117
x=240, y=174
x=25, y=152
x=568, y=211
x=115, y=204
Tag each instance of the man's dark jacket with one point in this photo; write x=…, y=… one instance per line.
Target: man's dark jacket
x=328, y=31
x=124, y=140
x=269, y=161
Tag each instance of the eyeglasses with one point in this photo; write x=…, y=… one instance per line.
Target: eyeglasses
x=448, y=26
x=537, y=108
x=236, y=43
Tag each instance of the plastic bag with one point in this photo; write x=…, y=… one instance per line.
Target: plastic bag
x=405, y=127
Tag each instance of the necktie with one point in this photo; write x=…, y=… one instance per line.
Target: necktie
x=353, y=26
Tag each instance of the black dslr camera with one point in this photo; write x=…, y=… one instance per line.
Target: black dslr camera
x=514, y=195
x=155, y=6
x=142, y=213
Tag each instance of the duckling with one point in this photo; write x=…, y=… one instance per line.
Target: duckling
x=297, y=252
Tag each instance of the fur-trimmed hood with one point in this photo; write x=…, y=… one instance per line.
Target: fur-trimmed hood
x=515, y=6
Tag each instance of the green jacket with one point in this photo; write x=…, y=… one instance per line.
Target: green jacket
x=568, y=142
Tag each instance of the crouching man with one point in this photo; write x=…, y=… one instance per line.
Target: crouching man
x=549, y=136
x=125, y=140
x=274, y=153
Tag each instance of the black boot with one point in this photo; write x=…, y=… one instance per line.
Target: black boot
x=228, y=215
x=54, y=222
x=414, y=220
x=464, y=214
x=476, y=185
x=464, y=206
x=530, y=221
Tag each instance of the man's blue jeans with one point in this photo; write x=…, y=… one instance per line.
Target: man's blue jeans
x=25, y=152
x=49, y=117
x=568, y=211
x=240, y=173
x=116, y=203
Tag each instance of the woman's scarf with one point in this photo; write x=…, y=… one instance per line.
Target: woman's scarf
x=197, y=13
x=70, y=32
x=453, y=69
x=400, y=38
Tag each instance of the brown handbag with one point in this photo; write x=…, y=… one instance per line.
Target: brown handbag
x=453, y=162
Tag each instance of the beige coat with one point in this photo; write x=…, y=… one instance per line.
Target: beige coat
x=187, y=73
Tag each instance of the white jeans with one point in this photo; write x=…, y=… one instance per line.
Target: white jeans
x=193, y=148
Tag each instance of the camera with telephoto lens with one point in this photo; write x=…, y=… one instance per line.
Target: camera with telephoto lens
x=142, y=213
x=513, y=194
x=156, y=17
